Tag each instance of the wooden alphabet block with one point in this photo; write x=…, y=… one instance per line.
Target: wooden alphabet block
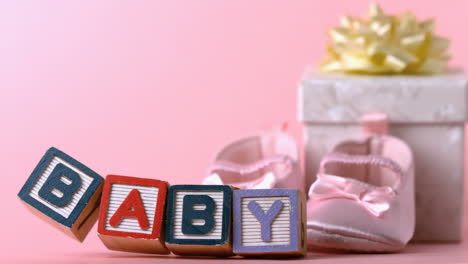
x=132, y=214
x=199, y=220
x=269, y=222
x=63, y=192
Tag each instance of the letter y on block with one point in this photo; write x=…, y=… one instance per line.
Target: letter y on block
x=269, y=222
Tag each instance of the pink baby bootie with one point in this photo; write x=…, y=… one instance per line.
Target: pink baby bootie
x=263, y=161
x=363, y=198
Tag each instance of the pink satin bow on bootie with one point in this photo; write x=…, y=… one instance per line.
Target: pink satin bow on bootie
x=375, y=199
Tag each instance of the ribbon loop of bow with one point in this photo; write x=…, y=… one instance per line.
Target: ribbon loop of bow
x=376, y=200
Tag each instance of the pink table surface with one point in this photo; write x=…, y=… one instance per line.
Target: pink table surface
x=414, y=253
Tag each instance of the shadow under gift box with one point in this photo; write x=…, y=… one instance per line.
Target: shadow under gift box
x=428, y=112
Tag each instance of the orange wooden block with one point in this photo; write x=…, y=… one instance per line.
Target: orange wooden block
x=132, y=214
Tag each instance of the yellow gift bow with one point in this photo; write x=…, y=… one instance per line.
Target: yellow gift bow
x=385, y=44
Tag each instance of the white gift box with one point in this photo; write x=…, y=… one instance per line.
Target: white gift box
x=427, y=112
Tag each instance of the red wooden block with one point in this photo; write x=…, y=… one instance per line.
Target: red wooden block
x=131, y=216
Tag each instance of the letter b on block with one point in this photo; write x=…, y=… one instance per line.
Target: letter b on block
x=269, y=222
x=64, y=190
x=199, y=220
x=190, y=214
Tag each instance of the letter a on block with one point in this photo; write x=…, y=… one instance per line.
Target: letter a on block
x=132, y=207
x=269, y=222
x=199, y=220
x=65, y=191
x=131, y=215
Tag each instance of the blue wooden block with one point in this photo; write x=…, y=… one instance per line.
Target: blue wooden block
x=64, y=192
x=269, y=222
x=199, y=220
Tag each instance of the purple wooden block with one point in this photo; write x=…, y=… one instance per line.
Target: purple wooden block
x=266, y=221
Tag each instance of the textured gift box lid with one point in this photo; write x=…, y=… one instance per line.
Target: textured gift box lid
x=343, y=98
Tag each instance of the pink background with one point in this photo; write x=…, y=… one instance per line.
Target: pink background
x=153, y=88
